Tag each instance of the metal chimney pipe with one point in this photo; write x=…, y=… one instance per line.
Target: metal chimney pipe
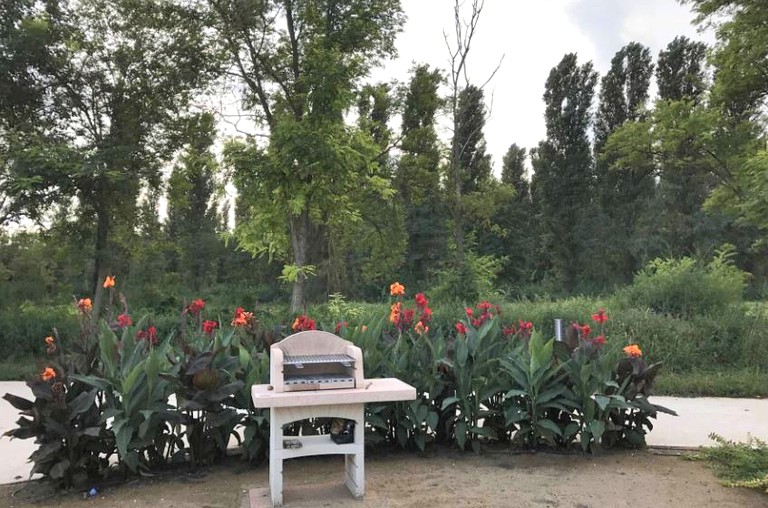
x=559, y=330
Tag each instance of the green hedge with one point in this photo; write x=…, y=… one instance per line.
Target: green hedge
x=732, y=340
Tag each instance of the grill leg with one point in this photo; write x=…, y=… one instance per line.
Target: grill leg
x=354, y=463
x=276, y=457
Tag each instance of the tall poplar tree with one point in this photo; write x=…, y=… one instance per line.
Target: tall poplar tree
x=515, y=218
x=417, y=177
x=623, y=193
x=563, y=167
x=474, y=162
x=192, y=219
x=685, y=180
x=681, y=70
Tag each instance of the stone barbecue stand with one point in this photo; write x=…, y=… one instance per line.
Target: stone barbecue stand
x=290, y=406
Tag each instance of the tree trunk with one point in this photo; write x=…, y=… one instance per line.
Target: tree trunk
x=458, y=218
x=299, y=239
x=101, y=263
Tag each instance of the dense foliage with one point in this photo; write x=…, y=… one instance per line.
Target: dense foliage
x=330, y=196
x=107, y=390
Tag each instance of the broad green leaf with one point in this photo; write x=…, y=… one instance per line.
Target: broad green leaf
x=602, y=401
x=96, y=382
x=597, y=428
x=549, y=425
x=123, y=438
x=432, y=419
x=460, y=433
x=82, y=402
x=550, y=394
x=462, y=352
x=19, y=403
x=448, y=401
x=59, y=469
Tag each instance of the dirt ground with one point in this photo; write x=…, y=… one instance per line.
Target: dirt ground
x=440, y=478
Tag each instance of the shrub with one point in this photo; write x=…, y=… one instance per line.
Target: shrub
x=687, y=287
x=23, y=328
x=738, y=464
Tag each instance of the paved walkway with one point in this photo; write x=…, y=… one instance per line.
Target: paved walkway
x=733, y=419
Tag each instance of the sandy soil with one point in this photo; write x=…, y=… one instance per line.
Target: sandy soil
x=441, y=478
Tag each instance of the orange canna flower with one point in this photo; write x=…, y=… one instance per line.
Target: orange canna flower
x=633, y=351
x=85, y=305
x=364, y=328
x=49, y=340
x=396, y=289
x=48, y=374
x=109, y=282
x=242, y=318
x=420, y=328
x=394, y=314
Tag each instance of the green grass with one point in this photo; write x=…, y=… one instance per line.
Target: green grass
x=17, y=369
x=737, y=464
x=733, y=383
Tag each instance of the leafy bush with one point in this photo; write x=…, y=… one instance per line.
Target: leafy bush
x=23, y=328
x=687, y=287
x=738, y=464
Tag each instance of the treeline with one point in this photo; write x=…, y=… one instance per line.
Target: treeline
x=99, y=99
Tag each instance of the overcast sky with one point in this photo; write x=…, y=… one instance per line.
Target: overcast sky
x=533, y=35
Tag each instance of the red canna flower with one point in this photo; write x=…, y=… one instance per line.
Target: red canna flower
x=585, y=330
x=421, y=300
x=469, y=311
x=150, y=335
x=461, y=328
x=303, y=323
x=426, y=315
x=601, y=317
x=485, y=306
x=209, y=326
x=526, y=326
x=508, y=330
x=599, y=340
x=406, y=319
x=124, y=320
x=196, y=306
x=340, y=325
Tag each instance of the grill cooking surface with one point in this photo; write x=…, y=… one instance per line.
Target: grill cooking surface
x=301, y=360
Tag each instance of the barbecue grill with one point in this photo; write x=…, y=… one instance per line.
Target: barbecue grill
x=315, y=360
x=318, y=374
